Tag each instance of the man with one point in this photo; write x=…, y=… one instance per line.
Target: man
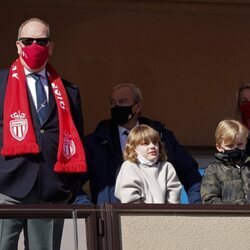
x=104, y=148
x=40, y=136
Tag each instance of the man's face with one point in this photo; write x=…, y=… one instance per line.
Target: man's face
x=33, y=29
x=122, y=96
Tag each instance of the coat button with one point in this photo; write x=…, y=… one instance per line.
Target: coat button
x=42, y=131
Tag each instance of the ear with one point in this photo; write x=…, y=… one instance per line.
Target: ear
x=51, y=48
x=138, y=107
x=219, y=148
x=19, y=48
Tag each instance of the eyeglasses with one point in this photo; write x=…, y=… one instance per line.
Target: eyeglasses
x=28, y=41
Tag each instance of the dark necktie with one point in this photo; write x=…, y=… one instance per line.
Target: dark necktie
x=126, y=132
x=41, y=99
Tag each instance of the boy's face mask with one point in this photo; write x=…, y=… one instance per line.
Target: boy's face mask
x=236, y=155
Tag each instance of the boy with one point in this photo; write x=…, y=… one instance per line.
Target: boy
x=226, y=181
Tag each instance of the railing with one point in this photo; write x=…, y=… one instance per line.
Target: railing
x=136, y=226
x=86, y=238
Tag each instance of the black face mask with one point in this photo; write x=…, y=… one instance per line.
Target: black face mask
x=121, y=115
x=236, y=155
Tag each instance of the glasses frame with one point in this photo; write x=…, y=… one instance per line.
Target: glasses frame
x=26, y=41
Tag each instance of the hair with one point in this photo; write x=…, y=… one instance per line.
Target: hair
x=228, y=130
x=137, y=95
x=142, y=134
x=33, y=20
x=242, y=87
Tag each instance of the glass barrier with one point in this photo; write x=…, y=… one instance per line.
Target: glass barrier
x=77, y=233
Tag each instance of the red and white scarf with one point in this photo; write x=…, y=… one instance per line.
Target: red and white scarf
x=18, y=131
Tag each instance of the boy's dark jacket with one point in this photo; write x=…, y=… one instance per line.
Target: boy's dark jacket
x=225, y=183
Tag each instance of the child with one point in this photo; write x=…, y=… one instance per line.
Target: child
x=146, y=176
x=228, y=179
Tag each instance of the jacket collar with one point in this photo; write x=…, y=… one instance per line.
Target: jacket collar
x=224, y=159
x=107, y=130
x=107, y=133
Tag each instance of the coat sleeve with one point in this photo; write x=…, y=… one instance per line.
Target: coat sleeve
x=128, y=188
x=81, y=196
x=173, y=186
x=4, y=73
x=210, y=187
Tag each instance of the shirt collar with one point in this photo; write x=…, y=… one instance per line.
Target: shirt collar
x=41, y=73
x=122, y=129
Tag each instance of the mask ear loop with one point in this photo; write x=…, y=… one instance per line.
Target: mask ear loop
x=133, y=113
x=135, y=151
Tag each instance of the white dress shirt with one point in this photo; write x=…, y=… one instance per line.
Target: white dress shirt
x=123, y=137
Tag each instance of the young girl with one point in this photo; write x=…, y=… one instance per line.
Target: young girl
x=227, y=180
x=146, y=176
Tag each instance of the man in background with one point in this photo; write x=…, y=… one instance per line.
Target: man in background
x=105, y=145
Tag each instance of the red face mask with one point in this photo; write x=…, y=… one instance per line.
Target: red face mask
x=35, y=56
x=245, y=112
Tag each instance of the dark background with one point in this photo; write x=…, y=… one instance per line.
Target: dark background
x=188, y=57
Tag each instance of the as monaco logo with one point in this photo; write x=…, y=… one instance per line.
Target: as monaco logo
x=69, y=148
x=19, y=125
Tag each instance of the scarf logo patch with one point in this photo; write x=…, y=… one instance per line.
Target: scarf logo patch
x=19, y=125
x=69, y=148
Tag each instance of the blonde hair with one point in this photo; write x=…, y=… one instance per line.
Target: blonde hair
x=33, y=20
x=142, y=134
x=228, y=130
